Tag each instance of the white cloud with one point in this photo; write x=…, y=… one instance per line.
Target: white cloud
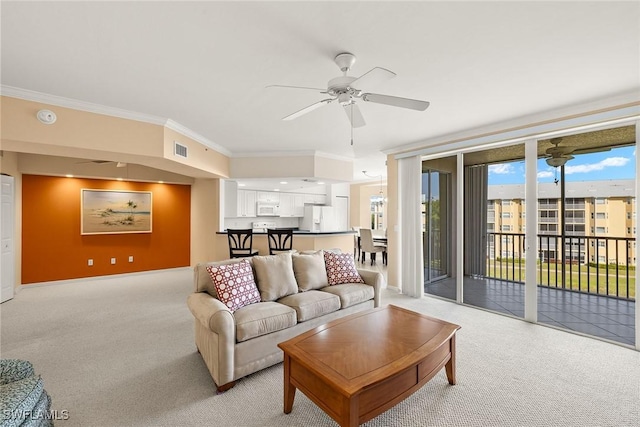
x=501, y=169
x=590, y=167
x=545, y=174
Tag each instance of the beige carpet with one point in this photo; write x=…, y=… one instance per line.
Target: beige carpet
x=119, y=352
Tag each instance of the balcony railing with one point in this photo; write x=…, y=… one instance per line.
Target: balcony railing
x=592, y=264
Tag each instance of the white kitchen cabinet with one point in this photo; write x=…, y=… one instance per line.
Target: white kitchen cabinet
x=286, y=205
x=291, y=205
x=298, y=205
x=316, y=199
x=268, y=197
x=246, y=203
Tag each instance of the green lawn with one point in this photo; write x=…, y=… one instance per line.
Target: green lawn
x=587, y=279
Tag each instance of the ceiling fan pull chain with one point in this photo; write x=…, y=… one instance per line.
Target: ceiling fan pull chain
x=351, y=124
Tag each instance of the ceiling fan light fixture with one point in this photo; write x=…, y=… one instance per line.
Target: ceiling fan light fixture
x=558, y=161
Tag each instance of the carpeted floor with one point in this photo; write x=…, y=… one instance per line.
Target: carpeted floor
x=119, y=351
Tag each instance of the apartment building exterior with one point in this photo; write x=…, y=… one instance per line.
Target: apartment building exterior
x=598, y=222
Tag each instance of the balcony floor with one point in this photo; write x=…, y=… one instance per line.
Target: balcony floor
x=600, y=316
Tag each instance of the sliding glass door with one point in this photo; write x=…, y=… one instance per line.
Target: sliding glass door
x=436, y=200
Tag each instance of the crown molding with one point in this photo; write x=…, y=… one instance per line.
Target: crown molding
x=299, y=153
x=197, y=137
x=60, y=101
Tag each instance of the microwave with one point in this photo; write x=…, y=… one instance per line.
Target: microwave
x=267, y=209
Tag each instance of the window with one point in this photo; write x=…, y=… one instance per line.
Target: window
x=601, y=230
x=602, y=243
x=507, y=215
x=506, y=203
x=601, y=215
x=601, y=201
x=491, y=204
x=506, y=228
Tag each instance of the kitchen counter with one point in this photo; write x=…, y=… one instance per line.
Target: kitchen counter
x=304, y=233
x=302, y=241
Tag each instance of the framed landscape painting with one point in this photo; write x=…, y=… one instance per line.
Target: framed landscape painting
x=115, y=211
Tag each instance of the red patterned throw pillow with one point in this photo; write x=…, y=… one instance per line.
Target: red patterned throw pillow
x=341, y=268
x=234, y=284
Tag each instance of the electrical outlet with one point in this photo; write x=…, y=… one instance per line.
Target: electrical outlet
x=113, y=260
x=90, y=262
x=130, y=258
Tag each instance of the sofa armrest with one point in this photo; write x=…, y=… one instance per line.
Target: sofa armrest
x=375, y=279
x=212, y=313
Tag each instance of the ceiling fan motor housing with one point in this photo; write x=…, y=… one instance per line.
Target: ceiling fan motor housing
x=339, y=85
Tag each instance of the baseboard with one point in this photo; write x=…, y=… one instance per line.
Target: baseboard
x=109, y=276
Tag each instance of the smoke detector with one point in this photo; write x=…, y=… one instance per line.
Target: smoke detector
x=47, y=117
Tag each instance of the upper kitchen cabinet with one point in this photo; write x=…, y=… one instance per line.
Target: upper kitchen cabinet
x=291, y=205
x=268, y=197
x=239, y=203
x=315, y=199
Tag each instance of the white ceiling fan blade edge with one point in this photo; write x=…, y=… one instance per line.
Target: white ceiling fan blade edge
x=372, y=77
x=308, y=109
x=413, y=104
x=354, y=115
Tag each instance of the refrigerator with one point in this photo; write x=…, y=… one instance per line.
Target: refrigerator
x=318, y=218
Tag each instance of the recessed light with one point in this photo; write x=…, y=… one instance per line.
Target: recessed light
x=283, y=182
x=242, y=185
x=160, y=182
x=69, y=175
x=119, y=179
x=321, y=183
x=276, y=189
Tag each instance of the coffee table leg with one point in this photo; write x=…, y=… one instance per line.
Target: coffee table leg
x=450, y=367
x=289, y=389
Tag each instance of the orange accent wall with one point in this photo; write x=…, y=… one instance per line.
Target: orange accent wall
x=54, y=249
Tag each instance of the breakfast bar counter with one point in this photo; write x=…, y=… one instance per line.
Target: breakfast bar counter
x=307, y=240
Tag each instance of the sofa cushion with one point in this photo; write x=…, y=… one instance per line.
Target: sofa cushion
x=262, y=318
x=351, y=293
x=341, y=268
x=18, y=398
x=311, y=304
x=310, y=271
x=202, y=279
x=274, y=275
x=234, y=284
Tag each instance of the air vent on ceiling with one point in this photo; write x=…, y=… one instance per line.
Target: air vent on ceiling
x=179, y=149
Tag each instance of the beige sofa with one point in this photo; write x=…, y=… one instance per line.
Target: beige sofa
x=294, y=298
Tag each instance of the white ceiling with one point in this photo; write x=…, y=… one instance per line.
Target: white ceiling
x=205, y=65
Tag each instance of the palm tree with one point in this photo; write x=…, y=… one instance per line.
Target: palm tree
x=132, y=205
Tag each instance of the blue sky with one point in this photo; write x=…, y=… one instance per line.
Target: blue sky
x=619, y=163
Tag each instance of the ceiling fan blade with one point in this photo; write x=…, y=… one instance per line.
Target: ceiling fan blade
x=413, y=104
x=591, y=150
x=372, y=77
x=308, y=109
x=298, y=87
x=355, y=116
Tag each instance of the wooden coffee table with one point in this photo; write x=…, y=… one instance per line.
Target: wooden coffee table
x=357, y=367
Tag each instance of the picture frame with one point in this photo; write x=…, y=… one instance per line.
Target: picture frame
x=115, y=211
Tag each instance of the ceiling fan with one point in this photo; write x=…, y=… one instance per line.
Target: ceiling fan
x=558, y=155
x=347, y=90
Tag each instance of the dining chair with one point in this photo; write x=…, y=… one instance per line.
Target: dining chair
x=367, y=245
x=356, y=243
x=241, y=243
x=280, y=240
